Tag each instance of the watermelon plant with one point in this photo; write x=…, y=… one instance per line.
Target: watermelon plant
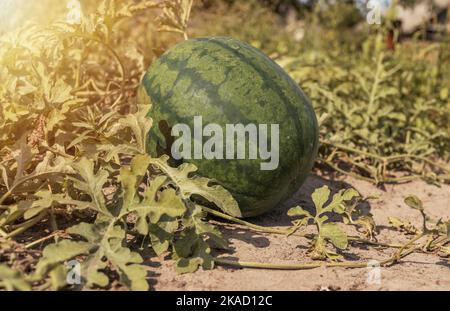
x=326, y=230
x=77, y=183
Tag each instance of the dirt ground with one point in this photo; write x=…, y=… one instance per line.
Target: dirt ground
x=418, y=271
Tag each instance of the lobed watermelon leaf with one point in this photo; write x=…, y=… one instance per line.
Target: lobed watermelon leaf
x=189, y=184
x=102, y=249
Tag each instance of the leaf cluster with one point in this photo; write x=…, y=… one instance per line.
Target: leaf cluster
x=73, y=143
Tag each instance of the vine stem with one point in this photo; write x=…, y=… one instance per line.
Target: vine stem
x=3, y=233
x=305, y=266
x=32, y=244
x=373, y=92
x=248, y=224
x=354, y=175
x=26, y=225
x=287, y=232
x=23, y=180
x=416, y=238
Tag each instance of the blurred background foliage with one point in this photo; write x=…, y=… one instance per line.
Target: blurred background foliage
x=379, y=90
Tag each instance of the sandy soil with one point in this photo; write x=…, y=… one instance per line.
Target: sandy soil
x=418, y=271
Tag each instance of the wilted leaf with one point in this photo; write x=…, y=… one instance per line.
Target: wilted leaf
x=445, y=250
x=175, y=16
x=299, y=211
x=403, y=225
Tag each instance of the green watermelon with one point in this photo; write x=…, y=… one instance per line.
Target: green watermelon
x=226, y=81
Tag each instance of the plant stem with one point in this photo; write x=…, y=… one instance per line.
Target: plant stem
x=34, y=243
x=399, y=252
x=26, y=225
x=304, y=266
x=247, y=224
x=3, y=233
x=336, y=168
x=374, y=90
x=286, y=231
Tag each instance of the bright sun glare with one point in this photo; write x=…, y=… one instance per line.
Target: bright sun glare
x=8, y=9
x=74, y=14
x=6, y=6
x=13, y=11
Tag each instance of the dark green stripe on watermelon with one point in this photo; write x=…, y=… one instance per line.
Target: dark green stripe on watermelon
x=229, y=82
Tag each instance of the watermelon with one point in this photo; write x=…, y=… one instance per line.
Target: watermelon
x=226, y=81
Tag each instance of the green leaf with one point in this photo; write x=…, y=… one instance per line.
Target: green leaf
x=45, y=201
x=335, y=234
x=103, y=246
x=58, y=277
x=201, y=186
x=57, y=253
x=183, y=246
x=161, y=235
x=92, y=183
x=60, y=92
x=169, y=203
x=349, y=194
x=139, y=124
x=204, y=228
x=319, y=197
x=156, y=204
x=54, y=118
x=299, y=211
x=11, y=280
x=127, y=263
x=414, y=202
x=188, y=265
x=48, y=168
x=191, y=252
x=131, y=177
x=53, y=164
x=339, y=198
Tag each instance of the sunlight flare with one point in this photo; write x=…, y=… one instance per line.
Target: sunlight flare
x=74, y=14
